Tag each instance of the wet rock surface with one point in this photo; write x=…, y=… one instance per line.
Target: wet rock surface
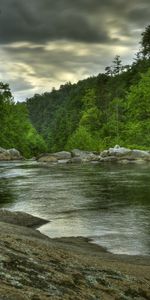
x=35, y=267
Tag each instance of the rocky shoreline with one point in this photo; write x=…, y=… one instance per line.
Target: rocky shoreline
x=35, y=267
x=76, y=156
x=117, y=154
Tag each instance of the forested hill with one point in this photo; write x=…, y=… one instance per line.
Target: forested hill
x=111, y=108
x=96, y=113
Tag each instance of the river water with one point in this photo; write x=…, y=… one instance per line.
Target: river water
x=110, y=203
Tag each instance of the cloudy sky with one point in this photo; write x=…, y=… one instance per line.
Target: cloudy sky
x=45, y=43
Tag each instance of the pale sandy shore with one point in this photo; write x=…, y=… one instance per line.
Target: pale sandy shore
x=34, y=267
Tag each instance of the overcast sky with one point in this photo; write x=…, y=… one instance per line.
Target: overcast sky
x=45, y=43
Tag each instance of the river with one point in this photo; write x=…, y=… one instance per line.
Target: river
x=109, y=203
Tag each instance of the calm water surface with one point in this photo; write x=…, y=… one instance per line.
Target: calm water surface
x=109, y=203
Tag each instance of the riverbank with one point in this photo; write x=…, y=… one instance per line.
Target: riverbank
x=117, y=154
x=33, y=266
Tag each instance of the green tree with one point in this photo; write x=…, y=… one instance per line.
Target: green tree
x=138, y=113
x=145, y=42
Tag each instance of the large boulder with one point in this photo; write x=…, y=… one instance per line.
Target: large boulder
x=62, y=155
x=15, y=154
x=116, y=151
x=124, y=154
x=138, y=155
x=4, y=154
x=9, y=154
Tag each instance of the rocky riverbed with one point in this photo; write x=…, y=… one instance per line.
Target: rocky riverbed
x=35, y=267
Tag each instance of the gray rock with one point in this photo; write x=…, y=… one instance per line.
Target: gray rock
x=2, y=150
x=124, y=155
x=21, y=218
x=9, y=154
x=62, y=155
x=76, y=160
x=138, y=154
x=85, y=156
x=118, y=151
x=63, y=161
x=109, y=159
x=47, y=158
x=5, y=156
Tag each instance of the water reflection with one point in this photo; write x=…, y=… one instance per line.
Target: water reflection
x=109, y=203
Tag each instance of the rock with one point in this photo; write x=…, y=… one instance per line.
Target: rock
x=124, y=155
x=62, y=155
x=118, y=154
x=5, y=156
x=63, y=161
x=138, y=154
x=15, y=154
x=47, y=158
x=2, y=150
x=85, y=156
x=10, y=154
x=35, y=267
x=76, y=160
x=116, y=151
x=104, y=153
x=108, y=159
x=21, y=218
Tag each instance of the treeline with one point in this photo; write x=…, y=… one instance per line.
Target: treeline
x=16, y=130
x=94, y=114
x=99, y=112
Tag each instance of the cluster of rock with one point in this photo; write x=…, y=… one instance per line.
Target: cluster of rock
x=116, y=154
x=122, y=154
x=9, y=154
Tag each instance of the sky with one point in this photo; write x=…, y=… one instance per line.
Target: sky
x=46, y=43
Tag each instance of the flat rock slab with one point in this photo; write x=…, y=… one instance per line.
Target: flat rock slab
x=35, y=267
x=21, y=219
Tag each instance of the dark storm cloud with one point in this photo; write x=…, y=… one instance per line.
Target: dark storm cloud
x=78, y=20
x=41, y=21
x=45, y=43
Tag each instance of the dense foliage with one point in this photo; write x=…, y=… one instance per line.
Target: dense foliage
x=16, y=129
x=112, y=108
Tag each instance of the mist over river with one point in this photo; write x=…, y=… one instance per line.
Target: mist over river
x=110, y=203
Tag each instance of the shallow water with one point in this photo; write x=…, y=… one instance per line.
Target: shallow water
x=109, y=203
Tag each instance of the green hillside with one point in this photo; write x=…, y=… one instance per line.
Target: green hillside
x=101, y=111
x=96, y=113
